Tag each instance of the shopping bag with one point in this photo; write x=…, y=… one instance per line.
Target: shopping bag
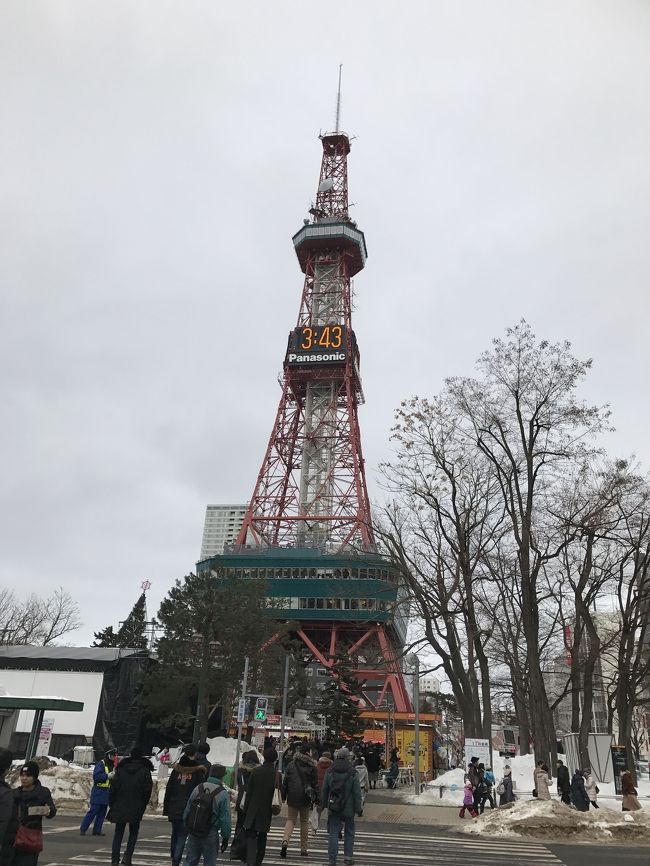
x=314, y=819
x=276, y=802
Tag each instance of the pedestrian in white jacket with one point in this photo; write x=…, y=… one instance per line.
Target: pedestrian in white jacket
x=364, y=779
x=591, y=788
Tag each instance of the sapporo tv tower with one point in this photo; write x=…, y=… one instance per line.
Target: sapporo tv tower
x=308, y=530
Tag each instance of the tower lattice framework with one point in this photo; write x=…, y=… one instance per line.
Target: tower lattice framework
x=311, y=489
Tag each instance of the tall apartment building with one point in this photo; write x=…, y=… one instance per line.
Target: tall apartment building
x=222, y=524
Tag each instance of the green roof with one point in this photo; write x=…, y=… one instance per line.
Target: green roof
x=7, y=702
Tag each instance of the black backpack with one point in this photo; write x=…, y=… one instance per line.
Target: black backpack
x=199, y=818
x=337, y=795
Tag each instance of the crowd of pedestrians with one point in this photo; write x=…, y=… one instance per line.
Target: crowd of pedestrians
x=315, y=778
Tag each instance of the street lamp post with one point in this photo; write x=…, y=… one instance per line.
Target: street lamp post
x=415, y=662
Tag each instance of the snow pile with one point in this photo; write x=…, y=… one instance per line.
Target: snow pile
x=452, y=784
x=223, y=751
x=70, y=786
x=551, y=819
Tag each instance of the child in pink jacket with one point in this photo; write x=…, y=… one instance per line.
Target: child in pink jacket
x=468, y=802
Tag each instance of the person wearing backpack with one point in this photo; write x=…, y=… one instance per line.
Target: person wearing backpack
x=342, y=798
x=207, y=814
x=300, y=792
x=486, y=783
x=505, y=792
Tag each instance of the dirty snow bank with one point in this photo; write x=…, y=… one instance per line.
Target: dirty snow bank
x=549, y=819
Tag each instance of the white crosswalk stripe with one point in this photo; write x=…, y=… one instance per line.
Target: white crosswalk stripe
x=381, y=848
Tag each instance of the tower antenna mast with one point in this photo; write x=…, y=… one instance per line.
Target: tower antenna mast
x=338, y=100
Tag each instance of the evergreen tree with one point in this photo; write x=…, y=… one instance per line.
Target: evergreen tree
x=132, y=633
x=337, y=700
x=210, y=624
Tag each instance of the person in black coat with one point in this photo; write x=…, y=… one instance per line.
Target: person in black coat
x=185, y=777
x=32, y=801
x=129, y=796
x=579, y=796
x=257, y=808
x=563, y=783
x=6, y=800
x=300, y=792
x=248, y=763
x=373, y=763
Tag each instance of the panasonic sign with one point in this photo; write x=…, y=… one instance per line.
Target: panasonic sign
x=316, y=358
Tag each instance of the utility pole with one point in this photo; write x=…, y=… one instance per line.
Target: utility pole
x=239, y=724
x=415, y=662
x=203, y=677
x=284, y=711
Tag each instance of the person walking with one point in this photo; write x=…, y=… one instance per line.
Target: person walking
x=184, y=778
x=300, y=792
x=128, y=798
x=258, y=807
x=323, y=765
x=541, y=781
x=206, y=815
x=591, y=788
x=248, y=763
x=6, y=802
x=579, y=796
x=468, y=801
x=506, y=794
x=362, y=772
x=488, y=782
x=630, y=798
x=102, y=773
x=32, y=802
x=373, y=763
x=563, y=783
x=341, y=796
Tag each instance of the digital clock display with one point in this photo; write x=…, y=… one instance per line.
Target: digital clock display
x=318, y=337
x=317, y=344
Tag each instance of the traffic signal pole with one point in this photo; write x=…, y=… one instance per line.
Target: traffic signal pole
x=239, y=724
x=284, y=711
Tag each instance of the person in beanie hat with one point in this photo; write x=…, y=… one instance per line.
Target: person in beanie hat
x=258, y=811
x=129, y=795
x=300, y=792
x=207, y=846
x=99, y=795
x=342, y=798
x=184, y=778
x=32, y=801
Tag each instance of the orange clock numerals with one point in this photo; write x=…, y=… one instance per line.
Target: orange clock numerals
x=307, y=339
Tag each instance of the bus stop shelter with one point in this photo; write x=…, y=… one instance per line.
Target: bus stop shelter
x=40, y=706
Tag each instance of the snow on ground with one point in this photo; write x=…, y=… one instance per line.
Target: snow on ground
x=552, y=819
x=522, y=776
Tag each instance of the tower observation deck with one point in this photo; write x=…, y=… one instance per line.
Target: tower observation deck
x=308, y=529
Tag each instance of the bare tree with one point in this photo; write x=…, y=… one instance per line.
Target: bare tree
x=443, y=519
x=529, y=424
x=37, y=621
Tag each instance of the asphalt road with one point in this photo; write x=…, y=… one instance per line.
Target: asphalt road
x=376, y=845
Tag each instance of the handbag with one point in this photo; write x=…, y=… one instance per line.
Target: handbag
x=29, y=840
x=276, y=802
x=238, y=846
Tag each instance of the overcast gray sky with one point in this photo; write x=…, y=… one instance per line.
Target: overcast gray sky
x=155, y=159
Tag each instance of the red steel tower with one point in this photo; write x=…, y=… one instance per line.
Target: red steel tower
x=308, y=529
